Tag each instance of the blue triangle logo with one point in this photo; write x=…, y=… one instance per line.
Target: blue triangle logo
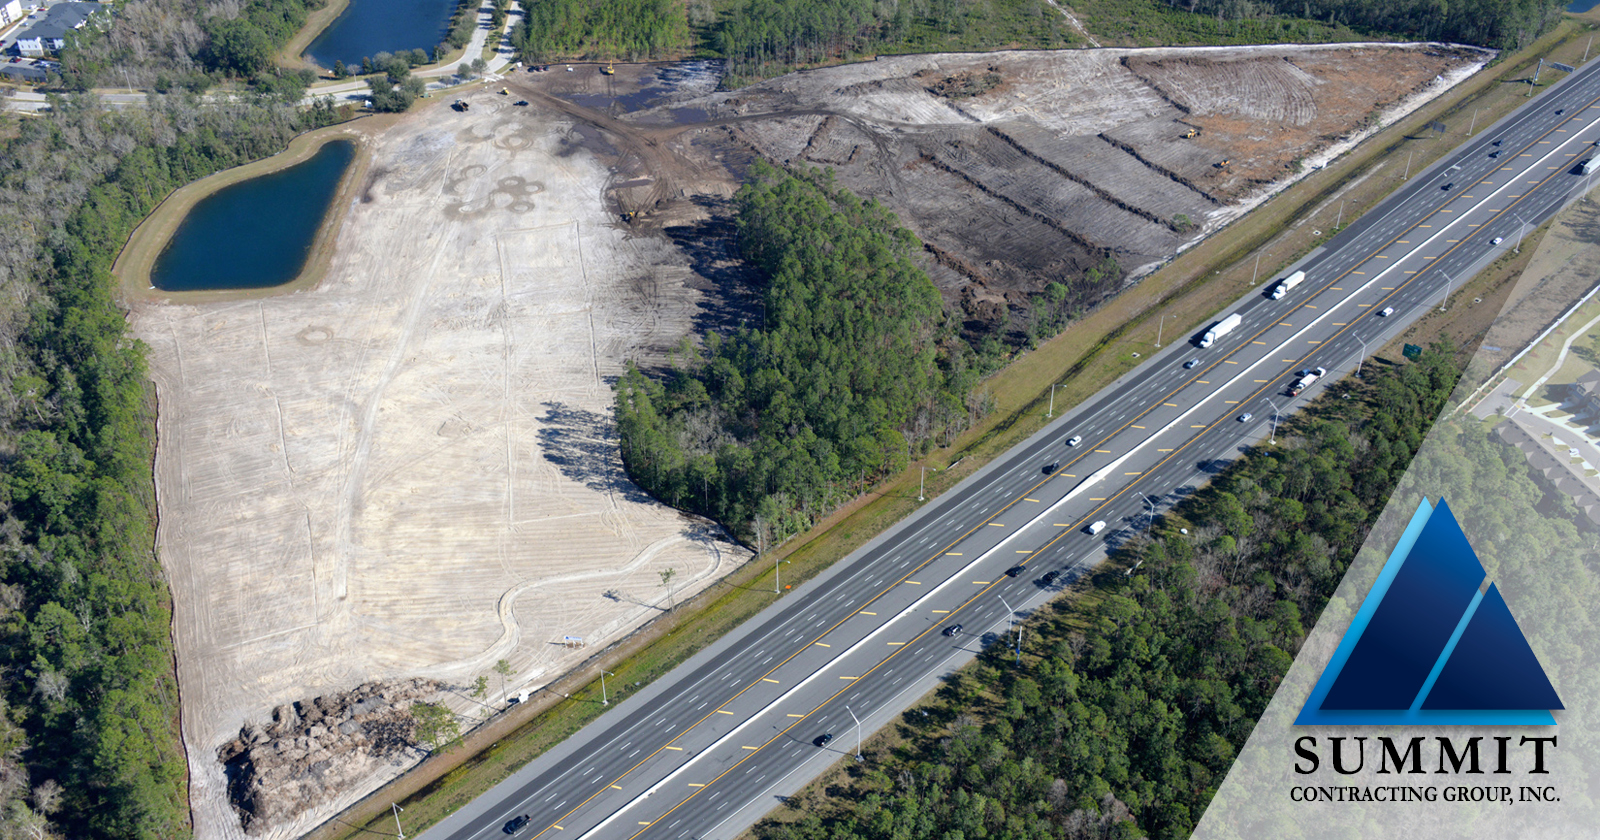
x=1430, y=647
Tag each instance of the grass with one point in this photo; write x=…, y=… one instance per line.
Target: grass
x=1086, y=357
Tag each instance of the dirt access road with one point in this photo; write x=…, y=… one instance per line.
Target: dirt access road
x=410, y=470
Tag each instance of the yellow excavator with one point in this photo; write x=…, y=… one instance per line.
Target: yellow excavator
x=609, y=69
x=1192, y=133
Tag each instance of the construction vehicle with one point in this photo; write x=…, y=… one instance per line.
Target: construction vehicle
x=1288, y=283
x=1307, y=377
x=609, y=69
x=1220, y=329
x=628, y=216
x=1223, y=164
x=1191, y=134
x=460, y=105
x=505, y=91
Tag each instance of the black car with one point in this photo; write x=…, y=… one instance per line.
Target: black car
x=1497, y=142
x=522, y=102
x=1050, y=577
x=516, y=824
x=1052, y=467
x=822, y=740
x=1014, y=571
x=1560, y=111
x=1493, y=155
x=953, y=630
x=1448, y=187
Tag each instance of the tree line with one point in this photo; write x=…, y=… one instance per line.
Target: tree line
x=618, y=29
x=1128, y=707
x=1500, y=24
x=852, y=367
x=89, y=740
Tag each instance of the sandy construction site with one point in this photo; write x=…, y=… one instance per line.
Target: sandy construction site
x=407, y=471
x=410, y=469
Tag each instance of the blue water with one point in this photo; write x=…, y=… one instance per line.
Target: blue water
x=368, y=27
x=256, y=233
x=1580, y=6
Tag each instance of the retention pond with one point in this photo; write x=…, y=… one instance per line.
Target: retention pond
x=256, y=233
x=368, y=27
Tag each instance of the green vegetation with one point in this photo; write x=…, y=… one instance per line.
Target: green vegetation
x=854, y=367
x=1149, y=685
x=627, y=29
x=88, y=697
x=1502, y=24
x=396, y=89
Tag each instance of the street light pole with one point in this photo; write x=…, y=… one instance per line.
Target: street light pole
x=922, y=482
x=1257, y=272
x=1273, y=438
x=1052, y=411
x=1152, y=514
x=1013, y=617
x=604, y=699
x=1448, y=282
x=858, y=732
x=1159, y=324
x=1522, y=231
x=1362, y=358
x=396, y=810
x=1340, y=223
x=1407, y=176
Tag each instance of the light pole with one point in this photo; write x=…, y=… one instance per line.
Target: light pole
x=1273, y=438
x=1340, y=223
x=858, y=732
x=1522, y=231
x=397, y=809
x=1052, y=411
x=1448, y=282
x=1257, y=272
x=1013, y=618
x=1362, y=358
x=1163, y=322
x=1151, y=521
x=923, y=481
x=604, y=699
x=1407, y=176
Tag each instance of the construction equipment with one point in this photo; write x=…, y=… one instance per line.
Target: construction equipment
x=628, y=216
x=610, y=69
x=460, y=105
x=505, y=91
x=1223, y=164
x=1191, y=134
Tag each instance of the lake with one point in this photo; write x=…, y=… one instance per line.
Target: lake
x=368, y=27
x=1578, y=7
x=256, y=233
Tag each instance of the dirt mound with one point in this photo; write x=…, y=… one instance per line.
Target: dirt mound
x=315, y=750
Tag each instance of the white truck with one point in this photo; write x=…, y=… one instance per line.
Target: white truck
x=1305, y=380
x=1288, y=283
x=1590, y=165
x=1220, y=329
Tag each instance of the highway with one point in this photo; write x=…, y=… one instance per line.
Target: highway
x=707, y=749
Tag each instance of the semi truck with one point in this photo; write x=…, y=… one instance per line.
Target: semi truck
x=1590, y=165
x=1307, y=377
x=1288, y=283
x=1220, y=329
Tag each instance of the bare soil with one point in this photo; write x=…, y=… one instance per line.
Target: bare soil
x=1018, y=169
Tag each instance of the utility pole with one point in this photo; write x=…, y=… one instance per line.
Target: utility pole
x=397, y=809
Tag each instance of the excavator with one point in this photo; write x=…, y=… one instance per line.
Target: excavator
x=609, y=69
x=1191, y=134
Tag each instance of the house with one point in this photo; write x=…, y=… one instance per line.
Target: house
x=10, y=12
x=1583, y=396
x=28, y=73
x=49, y=34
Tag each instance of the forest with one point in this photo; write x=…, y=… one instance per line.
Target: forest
x=633, y=30
x=1500, y=24
x=1133, y=697
x=852, y=368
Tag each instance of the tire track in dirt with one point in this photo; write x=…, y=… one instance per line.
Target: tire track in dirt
x=1158, y=168
x=1082, y=181
x=1077, y=238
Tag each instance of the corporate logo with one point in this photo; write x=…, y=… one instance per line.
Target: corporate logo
x=1431, y=646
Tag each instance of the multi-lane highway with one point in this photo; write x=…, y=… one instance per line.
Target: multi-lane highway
x=704, y=751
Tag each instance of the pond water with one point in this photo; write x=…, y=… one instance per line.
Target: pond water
x=256, y=233
x=368, y=27
x=1578, y=7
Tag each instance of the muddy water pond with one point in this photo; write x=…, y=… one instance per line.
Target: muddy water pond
x=368, y=27
x=256, y=233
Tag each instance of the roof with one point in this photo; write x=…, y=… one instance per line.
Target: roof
x=59, y=20
x=25, y=72
x=1588, y=383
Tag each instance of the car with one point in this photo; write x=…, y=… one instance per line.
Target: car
x=1191, y=364
x=1497, y=142
x=1560, y=111
x=1052, y=467
x=1448, y=187
x=1494, y=154
x=1386, y=312
x=1498, y=240
x=521, y=102
x=1245, y=417
x=1050, y=577
x=1014, y=571
x=953, y=630
x=517, y=823
x=1097, y=527
x=15, y=59
x=1075, y=440
x=823, y=739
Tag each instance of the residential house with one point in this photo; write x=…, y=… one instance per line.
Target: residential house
x=49, y=34
x=10, y=12
x=1583, y=396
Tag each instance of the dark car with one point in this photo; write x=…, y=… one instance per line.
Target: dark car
x=1560, y=111
x=522, y=102
x=1497, y=142
x=822, y=740
x=953, y=630
x=1052, y=467
x=516, y=824
x=1050, y=577
x=1014, y=571
x=1448, y=187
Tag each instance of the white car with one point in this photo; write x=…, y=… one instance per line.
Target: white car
x=1498, y=240
x=1075, y=440
x=1386, y=312
x=1097, y=527
x=1245, y=417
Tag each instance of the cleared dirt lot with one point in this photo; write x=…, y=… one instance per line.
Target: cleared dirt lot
x=1022, y=168
x=410, y=470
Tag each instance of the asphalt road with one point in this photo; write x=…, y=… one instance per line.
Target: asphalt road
x=706, y=750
